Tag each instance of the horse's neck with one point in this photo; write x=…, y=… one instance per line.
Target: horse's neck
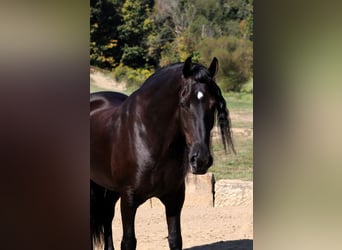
x=162, y=104
x=160, y=115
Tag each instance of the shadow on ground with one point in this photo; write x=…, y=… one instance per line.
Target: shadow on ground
x=226, y=245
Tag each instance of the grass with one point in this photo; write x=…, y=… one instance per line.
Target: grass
x=239, y=101
x=230, y=166
x=239, y=166
x=227, y=165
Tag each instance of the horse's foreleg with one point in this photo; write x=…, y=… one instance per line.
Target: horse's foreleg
x=128, y=211
x=173, y=206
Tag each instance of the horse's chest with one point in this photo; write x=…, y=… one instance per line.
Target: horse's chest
x=161, y=181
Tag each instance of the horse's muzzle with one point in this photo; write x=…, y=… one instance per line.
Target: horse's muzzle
x=200, y=160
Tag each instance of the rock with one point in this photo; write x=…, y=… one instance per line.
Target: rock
x=233, y=193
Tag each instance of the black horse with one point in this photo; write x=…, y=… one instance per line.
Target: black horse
x=142, y=146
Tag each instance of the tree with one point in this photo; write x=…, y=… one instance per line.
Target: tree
x=160, y=39
x=133, y=32
x=235, y=57
x=105, y=51
x=194, y=20
x=250, y=20
x=146, y=34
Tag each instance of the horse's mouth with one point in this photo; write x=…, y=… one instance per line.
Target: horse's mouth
x=198, y=171
x=200, y=167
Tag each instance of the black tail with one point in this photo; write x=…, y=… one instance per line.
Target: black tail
x=96, y=214
x=102, y=202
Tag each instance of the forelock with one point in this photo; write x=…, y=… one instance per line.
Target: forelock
x=201, y=74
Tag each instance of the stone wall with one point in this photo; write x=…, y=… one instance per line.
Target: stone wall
x=233, y=193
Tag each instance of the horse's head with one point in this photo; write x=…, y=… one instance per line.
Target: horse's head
x=200, y=101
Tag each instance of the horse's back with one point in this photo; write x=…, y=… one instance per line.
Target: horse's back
x=105, y=99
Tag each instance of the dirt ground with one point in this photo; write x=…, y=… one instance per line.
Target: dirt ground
x=104, y=82
x=224, y=228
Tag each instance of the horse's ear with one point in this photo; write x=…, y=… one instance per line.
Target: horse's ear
x=213, y=68
x=187, y=67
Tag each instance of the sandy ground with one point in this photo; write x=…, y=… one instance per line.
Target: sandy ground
x=224, y=228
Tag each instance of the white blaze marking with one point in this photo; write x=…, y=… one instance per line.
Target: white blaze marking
x=199, y=95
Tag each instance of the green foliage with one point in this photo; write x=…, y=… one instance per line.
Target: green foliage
x=247, y=87
x=249, y=20
x=104, y=48
x=133, y=56
x=169, y=54
x=133, y=77
x=120, y=73
x=134, y=30
x=235, y=60
x=147, y=34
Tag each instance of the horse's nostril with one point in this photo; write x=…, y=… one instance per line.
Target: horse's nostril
x=193, y=158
